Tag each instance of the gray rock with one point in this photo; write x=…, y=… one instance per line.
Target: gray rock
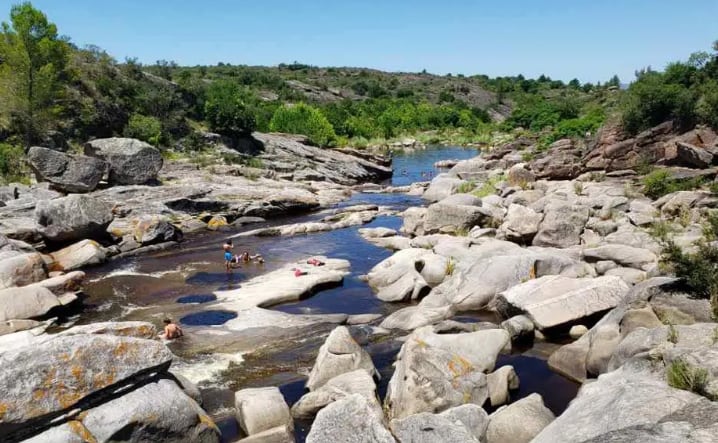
x=561, y=226
x=555, y=300
x=500, y=382
x=413, y=221
x=362, y=319
x=131, y=162
x=155, y=411
x=693, y=156
x=20, y=269
x=11, y=326
x=631, y=276
x=441, y=187
x=622, y=254
x=350, y=420
x=355, y=382
x=136, y=329
x=413, y=317
x=398, y=277
x=75, y=217
x=338, y=355
x=85, y=363
x=518, y=175
x=79, y=255
x=280, y=434
x=601, y=406
x=449, y=217
x=261, y=409
x=519, y=327
x=26, y=302
x=69, y=173
x=436, y=372
x=150, y=230
x=577, y=331
x=465, y=423
x=519, y=422
x=521, y=224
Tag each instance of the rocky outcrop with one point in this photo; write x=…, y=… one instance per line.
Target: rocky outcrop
x=20, y=269
x=561, y=162
x=561, y=226
x=355, y=382
x=79, y=255
x=338, y=355
x=75, y=217
x=130, y=161
x=68, y=173
x=436, y=372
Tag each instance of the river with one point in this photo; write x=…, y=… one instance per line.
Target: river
x=179, y=283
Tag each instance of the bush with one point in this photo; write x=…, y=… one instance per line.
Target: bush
x=226, y=111
x=147, y=129
x=303, y=119
x=659, y=183
x=682, y=375
x=651, y=101
x=12, y=164
x=699, y=270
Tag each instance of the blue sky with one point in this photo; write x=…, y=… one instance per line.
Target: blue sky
x=590, y=40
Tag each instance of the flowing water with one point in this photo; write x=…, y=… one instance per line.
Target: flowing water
x=180, y=282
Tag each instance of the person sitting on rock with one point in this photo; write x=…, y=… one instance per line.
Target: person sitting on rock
x=172, y=330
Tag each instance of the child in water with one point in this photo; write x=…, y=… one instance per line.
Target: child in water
x=172, y=330
x=227, y=248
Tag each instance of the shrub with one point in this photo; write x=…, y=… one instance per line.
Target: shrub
x=12, y=164
x=225, y=109
x=303, y=119
x=651, y=101
x=466, y=187
x=142, y=127
x=699, y=270
x=682, y=375
x=659, y=183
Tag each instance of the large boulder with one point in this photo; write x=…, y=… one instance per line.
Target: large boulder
x=500, y=382
x=519, y=422
x=553, y=301
x=261, y=409
x=18, y=269
x=26, y=302
x=441, y=187
x=398, y=277
x=355, y=382
x=351, y=420
x=68, y=173
x=449, y=216
x=466, y=423
x=59, y=372
x=436, y=372
x=618, y=400
x=76, y=256
x=75, y=217
x=625, y=255
x=338, y=355
x=561, y=226
x=520, y=224
x=157, y=411
x=131, y=161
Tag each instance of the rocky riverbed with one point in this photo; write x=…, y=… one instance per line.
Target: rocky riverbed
x=435, y=316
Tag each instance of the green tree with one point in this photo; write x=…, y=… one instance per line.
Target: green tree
x=32, y=71
x=226, y=111
x=303, y=119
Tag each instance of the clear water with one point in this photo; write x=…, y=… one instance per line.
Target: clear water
x=178, y=283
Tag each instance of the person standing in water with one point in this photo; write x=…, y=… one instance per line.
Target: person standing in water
x=227, y=247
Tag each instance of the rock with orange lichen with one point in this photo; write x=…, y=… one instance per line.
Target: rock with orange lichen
x=137, y=329
x=435, y=372
x=51, y=376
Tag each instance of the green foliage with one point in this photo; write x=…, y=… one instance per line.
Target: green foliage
x=466, y=187
x=450, y=267
x=489, y=187
x=225, y=109
x=33, y=65
x=661, y=230
x=148, y=129
x=306, y=120
x=682, y=375
x=659, y=183
x=699, y=270
x=12, y=165
x=686, y=93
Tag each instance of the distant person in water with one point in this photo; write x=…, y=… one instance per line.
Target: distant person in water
x=246, y=258
x=227, y=247
x=172, y=330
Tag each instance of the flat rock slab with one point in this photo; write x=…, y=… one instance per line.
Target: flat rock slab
x=283, y=286
x=552, y=301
